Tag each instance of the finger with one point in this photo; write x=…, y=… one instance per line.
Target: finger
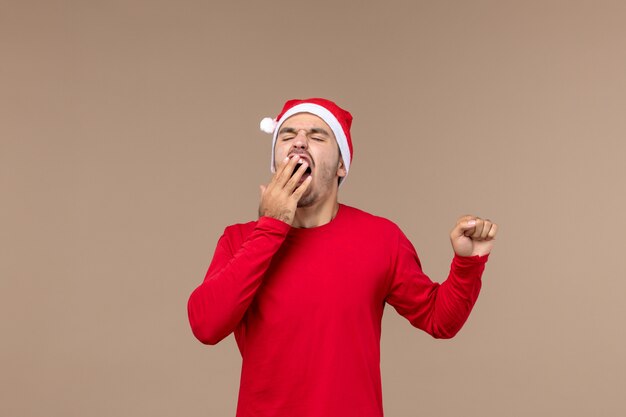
x=295, y=179
x=297, y=194
x=480, y=224
x=465, y=226
x=493, y=231
x=486, y=229
x=285, y=174
x=280, y=167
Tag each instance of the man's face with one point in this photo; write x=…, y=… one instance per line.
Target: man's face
x=310, y=137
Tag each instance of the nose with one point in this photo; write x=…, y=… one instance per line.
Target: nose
x=301, y=141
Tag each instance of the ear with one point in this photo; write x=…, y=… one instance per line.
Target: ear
x=341, y=169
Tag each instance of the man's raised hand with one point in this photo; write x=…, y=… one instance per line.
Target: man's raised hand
x=279, y=199
x=473, y=236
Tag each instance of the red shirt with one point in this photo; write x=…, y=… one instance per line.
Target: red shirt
x=306, y=307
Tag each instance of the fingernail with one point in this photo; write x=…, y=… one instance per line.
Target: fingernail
x=471, y=223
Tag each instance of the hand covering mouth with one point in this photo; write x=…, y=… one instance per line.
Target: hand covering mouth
x=308, y=170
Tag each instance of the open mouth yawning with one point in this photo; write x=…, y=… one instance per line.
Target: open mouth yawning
x=307, y=172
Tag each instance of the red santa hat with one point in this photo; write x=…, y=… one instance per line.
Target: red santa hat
x=338, y=119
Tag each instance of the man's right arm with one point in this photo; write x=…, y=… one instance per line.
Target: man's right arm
x=217, y=306
x=236, y=271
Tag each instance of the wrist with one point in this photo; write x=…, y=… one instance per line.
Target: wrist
x=276, y=216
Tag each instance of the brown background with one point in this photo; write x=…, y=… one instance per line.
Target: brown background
x=129, y=140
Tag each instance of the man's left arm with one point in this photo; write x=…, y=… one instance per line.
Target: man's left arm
x=442, y=309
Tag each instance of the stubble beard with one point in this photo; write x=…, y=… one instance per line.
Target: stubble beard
x=307, y=199
x=326, y=175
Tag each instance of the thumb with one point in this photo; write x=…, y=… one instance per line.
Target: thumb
x=465, y=227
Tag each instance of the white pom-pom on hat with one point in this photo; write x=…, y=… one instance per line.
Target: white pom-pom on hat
x=268, y=125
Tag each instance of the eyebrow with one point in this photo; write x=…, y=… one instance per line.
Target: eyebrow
x=312, y=130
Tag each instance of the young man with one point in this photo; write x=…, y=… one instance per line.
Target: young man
x=303, y=288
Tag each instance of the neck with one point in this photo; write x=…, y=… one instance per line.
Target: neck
x=316, y=215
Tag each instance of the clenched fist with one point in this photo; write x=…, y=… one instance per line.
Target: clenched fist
x=473, y=236
x=279, y=199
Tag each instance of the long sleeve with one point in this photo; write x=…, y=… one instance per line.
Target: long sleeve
x=234, y=275
x=439, y=309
